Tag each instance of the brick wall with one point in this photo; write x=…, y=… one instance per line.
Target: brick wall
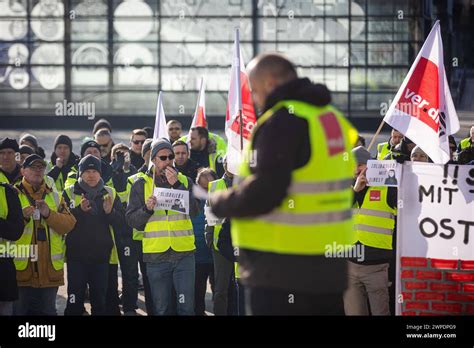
x=437, y=287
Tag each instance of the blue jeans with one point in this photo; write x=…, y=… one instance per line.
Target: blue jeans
x=162, y=277
x=36, y=301
x=79, y=274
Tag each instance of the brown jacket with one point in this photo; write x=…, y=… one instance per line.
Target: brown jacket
x=41, y=274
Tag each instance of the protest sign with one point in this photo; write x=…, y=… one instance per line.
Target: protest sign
x=169, y=199
x=383, y=173
x=435, y=239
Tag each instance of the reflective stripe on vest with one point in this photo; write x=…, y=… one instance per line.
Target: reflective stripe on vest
x=374, y=221
x=317, y=209
x=215, y=186
x=167, y=229
x=383, y=149
x=56, y=241
x=75, y=201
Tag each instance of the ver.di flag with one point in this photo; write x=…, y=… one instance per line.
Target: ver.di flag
x=239, y=102
x=423, y=109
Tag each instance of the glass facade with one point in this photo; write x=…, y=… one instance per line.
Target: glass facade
x=119, y=53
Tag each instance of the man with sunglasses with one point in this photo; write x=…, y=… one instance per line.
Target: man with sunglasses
x=47, y=219
x=168, y=237
x=136, y=144
x=104, y=139
x=174, y=130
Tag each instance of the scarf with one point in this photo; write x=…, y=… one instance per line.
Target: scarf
x=92, y=193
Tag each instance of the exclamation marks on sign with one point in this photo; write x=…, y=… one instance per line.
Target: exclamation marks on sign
x=445, y=174
x=470, y=180
x=455, y=175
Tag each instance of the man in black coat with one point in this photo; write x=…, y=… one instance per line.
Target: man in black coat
x=11, y=229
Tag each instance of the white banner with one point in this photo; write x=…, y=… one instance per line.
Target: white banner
x=383, y=173
x=170, y=199
x=436, y=211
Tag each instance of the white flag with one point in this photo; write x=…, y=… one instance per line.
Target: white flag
x=423, y=109
x=239, y=102
x=160, y=122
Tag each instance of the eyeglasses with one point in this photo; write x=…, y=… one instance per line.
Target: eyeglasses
x=136, y=142
x=174, y=129
x=164, y=158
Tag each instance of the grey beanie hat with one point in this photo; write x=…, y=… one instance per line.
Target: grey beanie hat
x=361, y=155
x=146, y=146
x=160, y=144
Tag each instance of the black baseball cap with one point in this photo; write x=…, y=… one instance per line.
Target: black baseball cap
x=32, y=159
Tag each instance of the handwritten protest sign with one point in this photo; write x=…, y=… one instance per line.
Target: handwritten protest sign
x=435, y=239
x=383, y=173
x=169, y=199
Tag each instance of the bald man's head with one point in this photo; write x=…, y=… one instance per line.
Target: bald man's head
x=266, y=72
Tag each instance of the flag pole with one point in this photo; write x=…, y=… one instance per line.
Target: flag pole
x=241, y=130
x=239, y=93
x=375, y=135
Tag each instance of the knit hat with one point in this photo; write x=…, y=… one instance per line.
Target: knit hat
x=361, y=155
x=26, y=149
x=102, y=123
x=31, y=159
x=160, y=144
x=418, y=149
x=89, y=162
x=30, y=138
x=63, y=139
x=8, y=143
x=146, y=146
x=87, y=144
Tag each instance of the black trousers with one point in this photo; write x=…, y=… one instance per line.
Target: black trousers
x=204, y=271
x=260, y=301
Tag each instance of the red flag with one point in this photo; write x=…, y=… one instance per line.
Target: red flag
x=199, y=119
x=240, y=113
x=423, y=109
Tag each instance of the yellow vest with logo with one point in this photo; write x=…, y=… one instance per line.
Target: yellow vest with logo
x=317, y=209
x=215, y=186
x=167, y=229
x=56, y=241
x=75, y=201
x=383, y=149
x=374, y=221
x=137, y=235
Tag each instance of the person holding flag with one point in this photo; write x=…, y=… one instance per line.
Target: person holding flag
x=281, y=218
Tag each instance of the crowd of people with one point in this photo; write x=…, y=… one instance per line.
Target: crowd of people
x=98, y=211
x=91, y=211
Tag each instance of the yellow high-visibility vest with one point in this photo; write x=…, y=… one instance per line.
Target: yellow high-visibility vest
x=383, y=149
x=75, y=201
x=167, y=229
x=317, y=209
x=56, y=241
